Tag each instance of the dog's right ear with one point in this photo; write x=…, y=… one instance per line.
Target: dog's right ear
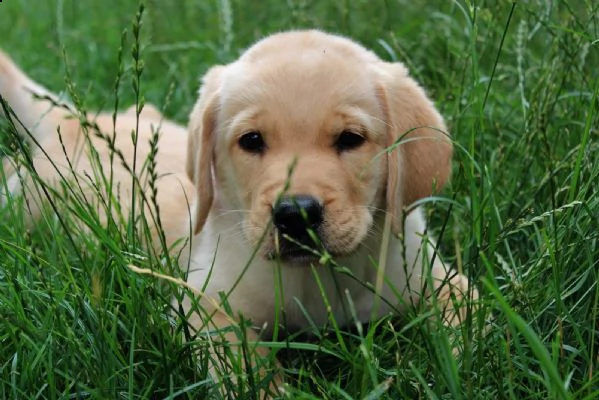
x=419, y=162
x=200, y=145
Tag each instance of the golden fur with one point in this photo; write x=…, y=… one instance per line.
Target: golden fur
x=59, y=150
x=299, y=91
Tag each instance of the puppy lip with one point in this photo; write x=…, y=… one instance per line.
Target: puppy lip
x=299, y=256
x=300, y=253
x=292, y=252
x=295, y=258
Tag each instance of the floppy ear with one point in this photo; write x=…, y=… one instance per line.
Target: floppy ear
x=200, y=144
x=419, y=160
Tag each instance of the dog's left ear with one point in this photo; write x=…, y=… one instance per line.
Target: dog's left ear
x=200, y=144
x=419, y=157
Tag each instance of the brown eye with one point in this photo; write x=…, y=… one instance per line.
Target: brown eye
x=252, y=142
x=348, y=140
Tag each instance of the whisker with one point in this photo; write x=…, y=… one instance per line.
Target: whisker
x=228, y=212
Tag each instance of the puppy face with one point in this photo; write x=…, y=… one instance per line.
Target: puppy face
x=296, y=131
x=322, y=117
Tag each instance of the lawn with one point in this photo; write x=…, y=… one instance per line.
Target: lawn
x=518, y=86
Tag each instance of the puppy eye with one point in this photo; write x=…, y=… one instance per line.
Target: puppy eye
x=252, y=142
x=348, y=140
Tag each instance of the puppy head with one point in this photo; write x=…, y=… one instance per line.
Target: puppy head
x=296, y=131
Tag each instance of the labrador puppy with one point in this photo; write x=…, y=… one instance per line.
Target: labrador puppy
x=302, y=159
x=306, y=154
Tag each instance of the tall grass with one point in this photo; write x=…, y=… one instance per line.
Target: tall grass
x=518, y=85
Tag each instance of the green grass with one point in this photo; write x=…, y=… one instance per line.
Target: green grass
x=518, y=86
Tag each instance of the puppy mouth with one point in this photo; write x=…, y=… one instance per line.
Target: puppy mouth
x=297, y=257
x=296, y=252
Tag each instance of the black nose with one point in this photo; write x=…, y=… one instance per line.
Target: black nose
x=293, y=215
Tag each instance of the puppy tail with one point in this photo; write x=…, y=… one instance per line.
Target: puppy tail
x=36, y=109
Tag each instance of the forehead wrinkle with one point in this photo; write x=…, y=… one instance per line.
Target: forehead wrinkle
x=242, y=120
x=372, y=126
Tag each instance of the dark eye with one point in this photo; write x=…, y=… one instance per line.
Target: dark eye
x=252, y=142
x=348, y=140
